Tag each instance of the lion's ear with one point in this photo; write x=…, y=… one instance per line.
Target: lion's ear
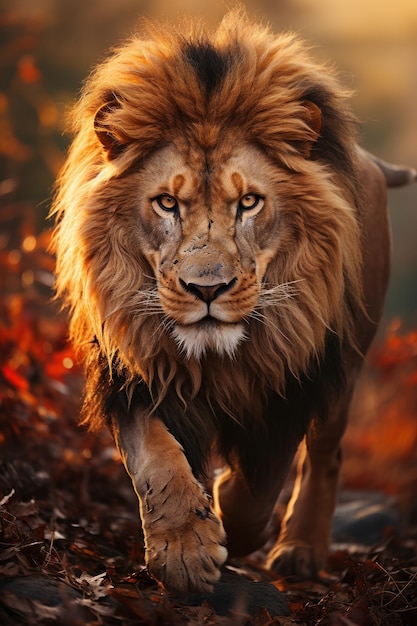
x=314, y=120
x=105, y=135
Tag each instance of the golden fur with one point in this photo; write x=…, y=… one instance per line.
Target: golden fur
x=219, y=173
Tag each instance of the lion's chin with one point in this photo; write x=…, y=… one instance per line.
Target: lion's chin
x=197, y=339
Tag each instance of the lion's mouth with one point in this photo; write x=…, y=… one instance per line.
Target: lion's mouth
x=210, y=322
x=208, y=334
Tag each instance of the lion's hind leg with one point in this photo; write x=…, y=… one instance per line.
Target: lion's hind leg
x=184, y=539
x=244, y=514
x=246, y=506
x=302, y=546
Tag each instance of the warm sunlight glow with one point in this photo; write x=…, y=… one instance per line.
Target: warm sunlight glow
x=68, y=363
x=29, y=243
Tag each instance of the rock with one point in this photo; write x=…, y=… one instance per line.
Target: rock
x=365, y=519
x=234, y=593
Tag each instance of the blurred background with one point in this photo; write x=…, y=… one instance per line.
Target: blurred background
x=48, y=47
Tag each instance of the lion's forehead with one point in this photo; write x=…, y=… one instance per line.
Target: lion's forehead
x=223, y=174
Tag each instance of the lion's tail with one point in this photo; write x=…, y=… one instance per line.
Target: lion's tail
x=395, y=175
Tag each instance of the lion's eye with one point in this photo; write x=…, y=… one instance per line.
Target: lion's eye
x=250, y=201
x=167, y=203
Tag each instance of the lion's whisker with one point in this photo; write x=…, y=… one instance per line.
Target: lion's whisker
x=165, y=325
x=276, y=295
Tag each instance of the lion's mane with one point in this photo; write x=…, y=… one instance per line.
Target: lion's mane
x=196, y=85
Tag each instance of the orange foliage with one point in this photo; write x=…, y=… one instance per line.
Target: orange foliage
x=36, y=362
x=381, y=442
x=28, y=70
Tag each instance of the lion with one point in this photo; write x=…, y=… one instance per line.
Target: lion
x=223, y=248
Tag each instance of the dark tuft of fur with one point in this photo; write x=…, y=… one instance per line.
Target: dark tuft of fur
x=210, y=65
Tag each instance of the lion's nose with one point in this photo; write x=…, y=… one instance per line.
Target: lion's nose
x=207, y=293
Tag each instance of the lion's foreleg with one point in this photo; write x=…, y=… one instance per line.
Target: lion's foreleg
x=184, y=539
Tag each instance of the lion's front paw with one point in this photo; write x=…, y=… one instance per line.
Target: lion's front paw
x=294, y=561
x=188, y=558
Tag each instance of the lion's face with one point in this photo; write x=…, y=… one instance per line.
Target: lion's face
x=208, y=219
